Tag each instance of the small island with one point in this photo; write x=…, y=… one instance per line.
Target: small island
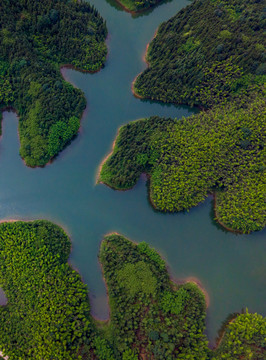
x=48, y=312
x=195, y=59
x=36, y=39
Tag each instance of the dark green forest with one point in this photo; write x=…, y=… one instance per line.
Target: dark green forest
x=138, y=5
x=210, y=52
x=48, y=312
x=36, y=38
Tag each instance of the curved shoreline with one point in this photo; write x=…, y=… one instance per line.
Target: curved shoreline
x=135, y=12
x=144, y=59
x=193, y=280
x=98, y=172
x=220, y=338
x=216, y=217
x=148, y=179
x=173, y=279
x=73, y=67
x=107, y=321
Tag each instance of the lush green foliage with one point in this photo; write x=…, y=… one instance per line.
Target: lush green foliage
x=140, y=318
x=35, y=39
x=222, y=150
x=48, y=313
x=210, y=52
x=138, y=5
x=244, y=338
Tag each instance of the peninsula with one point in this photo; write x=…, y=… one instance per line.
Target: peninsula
x=36, y=39
x=48, y=312
x=195, y=59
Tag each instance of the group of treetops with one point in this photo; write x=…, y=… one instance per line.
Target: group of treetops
x=48, y=312
x=211, y=54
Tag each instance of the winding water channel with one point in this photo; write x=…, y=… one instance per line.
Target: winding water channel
x=230, y=267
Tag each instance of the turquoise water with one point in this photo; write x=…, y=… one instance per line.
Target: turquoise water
x=230, y=267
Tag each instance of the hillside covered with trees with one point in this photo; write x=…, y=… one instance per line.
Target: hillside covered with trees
x=221, y=151
x=36, y=38
x=48, y=313
x=210, y=54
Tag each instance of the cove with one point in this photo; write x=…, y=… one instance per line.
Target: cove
x=230, y=267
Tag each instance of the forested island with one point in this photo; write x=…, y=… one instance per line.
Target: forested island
x=137, y=5
x=219, y=151
x=36, y=39
x=211, y=54
x=48, y=312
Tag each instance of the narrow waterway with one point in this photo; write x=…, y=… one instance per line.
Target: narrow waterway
x=230, y=267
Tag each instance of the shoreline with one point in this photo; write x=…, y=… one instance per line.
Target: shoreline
x=107, y=321
x=99, y=169
x=144, y=59
x=174, y=281
x=135, y=12
x=193, y=280
x=73, y=67
x=216, y=217
x=148, y=180
x=220, y=338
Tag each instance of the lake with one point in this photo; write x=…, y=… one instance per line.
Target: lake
x=230, y=267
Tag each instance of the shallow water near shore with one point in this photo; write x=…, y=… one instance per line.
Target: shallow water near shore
x=230, y=267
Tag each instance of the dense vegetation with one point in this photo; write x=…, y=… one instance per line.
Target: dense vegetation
x=47, y=315
x=149, y=318
x=138, y=5
x=244, y=338
x=222, y=150
x=36, y=38
x=209, y=53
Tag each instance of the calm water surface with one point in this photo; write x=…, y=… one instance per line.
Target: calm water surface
x=230, y=267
